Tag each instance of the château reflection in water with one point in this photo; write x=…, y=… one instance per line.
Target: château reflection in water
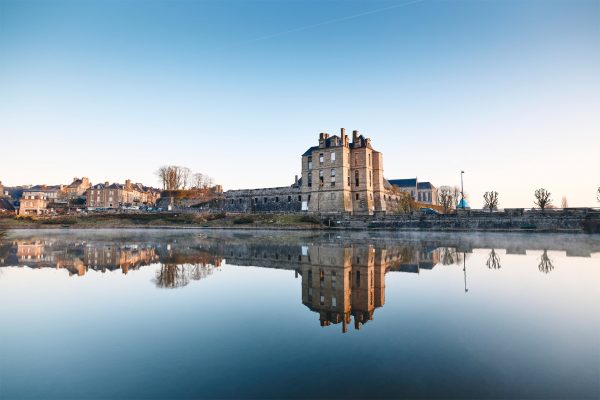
x=342, y=277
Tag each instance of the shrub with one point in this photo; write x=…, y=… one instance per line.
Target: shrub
x=309, y=219
x=243, y=220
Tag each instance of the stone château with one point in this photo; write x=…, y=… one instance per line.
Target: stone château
x=339, y=175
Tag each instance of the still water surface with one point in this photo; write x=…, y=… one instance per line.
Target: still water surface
x=191, y=314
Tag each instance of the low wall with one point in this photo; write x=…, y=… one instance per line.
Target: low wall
x=280, y=199
x=567, y=220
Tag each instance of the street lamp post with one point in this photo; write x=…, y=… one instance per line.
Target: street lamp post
x=462, y=190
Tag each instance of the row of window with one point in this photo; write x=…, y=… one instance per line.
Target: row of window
x=321, y=159
x=333, y=178
x=332, y=158
x=266, y=199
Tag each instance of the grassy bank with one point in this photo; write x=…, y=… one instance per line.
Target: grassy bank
x=161, y=220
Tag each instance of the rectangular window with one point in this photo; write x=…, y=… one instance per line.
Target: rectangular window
x=333, y=302
x=277, y=199
x=265, y=200
x=333, y=172
x=300, y=198
x=321, y=158
x=333, y=156
x=289, y=199
x=321, y=178
x=309, y=162
x=309, y=180
x=322, y=298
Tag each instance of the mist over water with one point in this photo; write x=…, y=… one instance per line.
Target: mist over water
x=194, y=313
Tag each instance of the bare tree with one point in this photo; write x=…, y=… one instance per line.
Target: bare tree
x=186, y=177
x=545, y=265
x=542, y=198
x=491, y=200
x=170, y=177
x=198, y=180
x=493, y=261
x=173, y=177
x=446, y=198
x=457, y=195
x=405, y=203
x=564, y=203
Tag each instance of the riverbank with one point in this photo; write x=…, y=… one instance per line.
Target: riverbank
x=164, y=220
x=559, y=221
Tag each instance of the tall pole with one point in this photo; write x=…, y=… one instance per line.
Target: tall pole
x=462, y=190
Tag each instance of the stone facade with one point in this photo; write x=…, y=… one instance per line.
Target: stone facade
x=116, y=195
x=343, y=176
x=77, y=188
x=35, y=200
x=279, y=199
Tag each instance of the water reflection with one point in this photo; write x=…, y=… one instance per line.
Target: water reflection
x=545, y=263
x=342, y=277
x=493, y=261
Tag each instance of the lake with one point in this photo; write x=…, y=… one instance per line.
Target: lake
x=243, y=314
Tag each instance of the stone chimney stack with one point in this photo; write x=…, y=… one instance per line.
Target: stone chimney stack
x=296, y=181
x=354, y=136
x=106, y=183
x=343, y=136
x=128, y=183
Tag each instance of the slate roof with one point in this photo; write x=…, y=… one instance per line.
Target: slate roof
x=404, y=183
x=6, y=205
x=75, y=183
x=425, y=185
x=42, y=188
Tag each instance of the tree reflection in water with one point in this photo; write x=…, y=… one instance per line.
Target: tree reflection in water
x=545, y=265
x=450, y=256
x=493, y=261
x=171, y=276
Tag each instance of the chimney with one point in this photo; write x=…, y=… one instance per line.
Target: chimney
x=128, y=183
x=296, y=181
x=354, y=136
x=106, y=183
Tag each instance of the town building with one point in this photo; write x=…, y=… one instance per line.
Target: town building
x=77, y=188
x=422, y=192
x=37, y=200
x=116, y=195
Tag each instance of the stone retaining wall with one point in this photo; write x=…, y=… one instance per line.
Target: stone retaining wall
x=569, y=220
x=279, y=199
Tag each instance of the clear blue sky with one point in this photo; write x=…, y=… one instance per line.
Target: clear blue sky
x=509, y=91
